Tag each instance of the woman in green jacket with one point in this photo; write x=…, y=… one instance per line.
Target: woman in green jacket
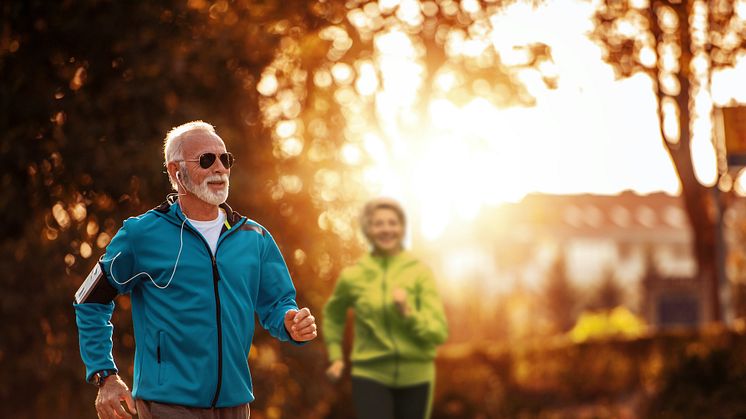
x=399, y=321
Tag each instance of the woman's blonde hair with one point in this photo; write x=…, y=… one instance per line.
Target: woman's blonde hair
x=377, y=203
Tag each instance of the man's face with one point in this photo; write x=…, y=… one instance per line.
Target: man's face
x=210, y=185
x=385, y=231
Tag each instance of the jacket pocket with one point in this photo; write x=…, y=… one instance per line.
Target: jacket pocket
x=159, y=357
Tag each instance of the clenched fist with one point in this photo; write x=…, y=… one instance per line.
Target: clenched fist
x=301, y=325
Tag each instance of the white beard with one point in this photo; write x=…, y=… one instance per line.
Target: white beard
x=203, y=191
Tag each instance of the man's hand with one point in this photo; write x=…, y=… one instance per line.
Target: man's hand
x=334, y=372
x=301, y=325
x=110, y=396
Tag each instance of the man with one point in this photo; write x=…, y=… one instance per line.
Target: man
x=196, y=271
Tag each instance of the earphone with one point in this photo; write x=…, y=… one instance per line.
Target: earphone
x=178, y=256
x=178, y=179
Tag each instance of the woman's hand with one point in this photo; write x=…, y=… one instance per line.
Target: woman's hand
x=334, y=372
x=400, y=301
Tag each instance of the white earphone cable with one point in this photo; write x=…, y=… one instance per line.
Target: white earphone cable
x=178, y=255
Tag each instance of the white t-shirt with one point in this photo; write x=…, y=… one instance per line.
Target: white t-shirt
x=210, y=229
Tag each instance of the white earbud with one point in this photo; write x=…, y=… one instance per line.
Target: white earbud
x=178, y=179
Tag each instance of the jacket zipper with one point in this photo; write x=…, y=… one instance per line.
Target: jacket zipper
x=158, y=358
x=388, y=323
x=215, y=279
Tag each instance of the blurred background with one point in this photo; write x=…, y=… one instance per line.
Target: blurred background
x=571, y=169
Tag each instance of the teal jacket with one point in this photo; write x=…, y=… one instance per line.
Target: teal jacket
x=193, y=335
x=388, y=347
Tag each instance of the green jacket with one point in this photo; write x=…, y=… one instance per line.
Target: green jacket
x=389, y=348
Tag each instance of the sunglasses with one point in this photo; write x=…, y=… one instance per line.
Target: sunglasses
x=206, y=160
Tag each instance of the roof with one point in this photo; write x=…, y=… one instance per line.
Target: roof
x=627, y=216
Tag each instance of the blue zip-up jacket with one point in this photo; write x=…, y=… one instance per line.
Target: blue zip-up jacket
x=192, y=334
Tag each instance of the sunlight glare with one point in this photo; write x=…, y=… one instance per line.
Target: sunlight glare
x=285, y=129
x=291, y=147
x=375, y=147
x=409, y=11
x=671, y=120
x=342, y=73
x=728, y=85
x=740, y=9
x=351, y=154
x=704, y=159
x=402, y=75
x=322, y=78
x=458, y=152
x=367, y=81
x=445, y=81
x=647, y=57
x=267, y=86
x=470, y=6
x=441, y=114
x=388, y=5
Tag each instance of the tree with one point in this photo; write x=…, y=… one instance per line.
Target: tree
x=679, y=45
x=87, y=91
x=608, y=295
x=560, y=296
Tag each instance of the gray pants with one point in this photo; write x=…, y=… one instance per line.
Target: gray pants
x=155, y=410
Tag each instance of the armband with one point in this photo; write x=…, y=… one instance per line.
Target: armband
x=95, y=288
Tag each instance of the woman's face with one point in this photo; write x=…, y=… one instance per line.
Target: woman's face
x=385, y=231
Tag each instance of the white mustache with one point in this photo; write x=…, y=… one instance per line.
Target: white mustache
x=216, y=178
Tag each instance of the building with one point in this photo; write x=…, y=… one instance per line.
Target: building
x=643, y=241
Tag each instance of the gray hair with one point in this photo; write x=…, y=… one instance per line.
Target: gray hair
x=376, y=204
x=173, y=148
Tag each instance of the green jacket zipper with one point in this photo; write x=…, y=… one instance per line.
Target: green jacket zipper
x=388, y=323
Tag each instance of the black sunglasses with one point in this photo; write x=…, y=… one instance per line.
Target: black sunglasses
x=206, y=160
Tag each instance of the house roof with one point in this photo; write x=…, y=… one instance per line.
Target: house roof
x=627, y=216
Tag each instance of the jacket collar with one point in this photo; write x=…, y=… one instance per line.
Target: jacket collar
x=374, y=262
x=232, y=216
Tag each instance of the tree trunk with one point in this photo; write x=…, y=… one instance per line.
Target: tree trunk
x=699, y=201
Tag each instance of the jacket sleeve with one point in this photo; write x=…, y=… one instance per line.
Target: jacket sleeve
x=335, y=315
x=427, y=318
x=93, y=315
x=276, y=291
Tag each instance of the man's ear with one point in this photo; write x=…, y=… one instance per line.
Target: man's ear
x=172, y=168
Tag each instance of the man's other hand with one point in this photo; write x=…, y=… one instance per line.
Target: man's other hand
x=110, y=397
x=301, y=325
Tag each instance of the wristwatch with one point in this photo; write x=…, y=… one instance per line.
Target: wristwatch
x=99, y=377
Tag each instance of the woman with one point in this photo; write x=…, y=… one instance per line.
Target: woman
x=399, y=320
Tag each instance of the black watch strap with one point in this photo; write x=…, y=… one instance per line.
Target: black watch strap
x=99, y=377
